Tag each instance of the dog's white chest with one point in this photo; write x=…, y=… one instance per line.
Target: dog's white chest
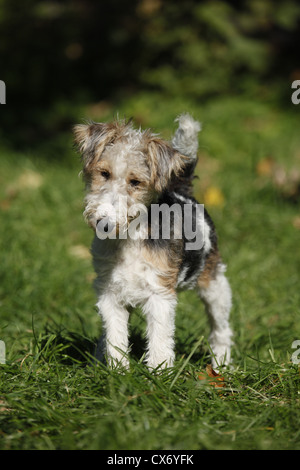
x=126, y=272
x=134, y=277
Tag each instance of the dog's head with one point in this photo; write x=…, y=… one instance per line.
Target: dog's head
x=123, y=167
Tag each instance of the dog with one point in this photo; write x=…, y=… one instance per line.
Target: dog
x=128, y=171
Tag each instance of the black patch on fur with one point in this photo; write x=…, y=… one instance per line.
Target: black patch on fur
x=192, y=261
x=183, y=184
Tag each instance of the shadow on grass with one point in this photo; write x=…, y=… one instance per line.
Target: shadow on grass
x=68, y=347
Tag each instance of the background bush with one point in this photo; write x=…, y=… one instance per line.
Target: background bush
x=57, y=56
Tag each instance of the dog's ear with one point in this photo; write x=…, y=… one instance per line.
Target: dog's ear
x=164, y=162
x=91, y=139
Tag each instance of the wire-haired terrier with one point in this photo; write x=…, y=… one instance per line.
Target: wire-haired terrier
x=143, y=256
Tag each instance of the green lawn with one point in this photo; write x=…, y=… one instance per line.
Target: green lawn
x=53, y=397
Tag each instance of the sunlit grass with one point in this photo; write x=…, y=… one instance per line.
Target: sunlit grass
x=52, y=396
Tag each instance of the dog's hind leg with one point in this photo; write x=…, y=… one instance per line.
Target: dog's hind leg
x=216, y=295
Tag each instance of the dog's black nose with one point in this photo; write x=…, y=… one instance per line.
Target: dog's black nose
x=104, y=228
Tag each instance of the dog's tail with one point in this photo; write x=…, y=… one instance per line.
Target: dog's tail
x=185, y=140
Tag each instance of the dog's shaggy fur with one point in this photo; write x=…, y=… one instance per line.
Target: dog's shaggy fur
x=126, y=168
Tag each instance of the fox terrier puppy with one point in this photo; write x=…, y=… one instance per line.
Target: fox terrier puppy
x=128, y=173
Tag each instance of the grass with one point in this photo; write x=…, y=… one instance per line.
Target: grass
x=52, y=396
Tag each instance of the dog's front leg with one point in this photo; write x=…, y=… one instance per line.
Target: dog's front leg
x=115, y=322
x=160, y=315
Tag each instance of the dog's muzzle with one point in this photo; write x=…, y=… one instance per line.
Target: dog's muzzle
x=104, y=225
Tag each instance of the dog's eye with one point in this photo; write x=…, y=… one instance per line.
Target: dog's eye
x=105, y=174
x=134, y=182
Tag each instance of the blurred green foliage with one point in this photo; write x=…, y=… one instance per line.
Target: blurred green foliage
x=58, y=56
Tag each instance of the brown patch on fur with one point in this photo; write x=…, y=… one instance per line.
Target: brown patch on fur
x=94, y=176
x=209, y=272
x=91, y=139
x=143, y=194
x=163, y=160
x=166, y=263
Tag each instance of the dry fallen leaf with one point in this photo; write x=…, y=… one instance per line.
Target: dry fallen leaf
x=99, y=109
x=265, y=166
x=212, y=377
x=80, y=251
x=3, y=407
x=285, y=181
x=5, y=204
x=296, y=222
x=30, y=179
x=213, y=196
x=27, y=180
